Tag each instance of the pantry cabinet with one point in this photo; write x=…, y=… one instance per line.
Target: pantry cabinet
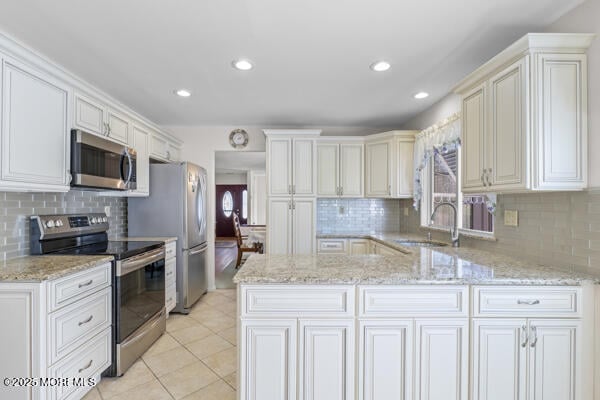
x=516, y=136
x=291, y=223
x=34, y=130
x=340, y=169
x=389, y=164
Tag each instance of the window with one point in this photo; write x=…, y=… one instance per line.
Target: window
x=227, y=204
x=441, y=178
x=245, y=204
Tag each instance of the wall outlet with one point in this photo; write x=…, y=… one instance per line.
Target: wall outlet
x=406, y=211
x=107, y=211
x=511, y=218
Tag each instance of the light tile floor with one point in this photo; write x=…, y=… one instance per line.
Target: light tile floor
x=196, y=359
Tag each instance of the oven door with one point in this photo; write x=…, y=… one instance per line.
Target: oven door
x=140, y=291
x=100, y=163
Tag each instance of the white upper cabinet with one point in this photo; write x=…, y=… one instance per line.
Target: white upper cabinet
x=118, y=126
x=34, y=130
x=291, y=162
x=141, y=144
x=525, y=117
x=389, y=164
x=340, y=169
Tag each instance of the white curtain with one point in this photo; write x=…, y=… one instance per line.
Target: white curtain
x=442, y=137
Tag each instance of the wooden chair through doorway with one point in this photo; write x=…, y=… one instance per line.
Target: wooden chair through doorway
x=241, y=246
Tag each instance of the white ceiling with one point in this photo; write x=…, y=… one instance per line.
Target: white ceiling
x=239, y=161
x=312, y=56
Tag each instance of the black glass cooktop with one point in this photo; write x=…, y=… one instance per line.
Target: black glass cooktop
x=119, y=249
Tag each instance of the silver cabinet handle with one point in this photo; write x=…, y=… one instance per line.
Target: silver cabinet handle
x=289, y=189
x=289, y=205
x=483, y=178
x=293, y=189
x=91, y=317
x=341, y=190
x=489, y=180
x=88, y=283
x=528, y=302
x=293, y=205
x=535, y=336
x=524, y=337
x=86, y=367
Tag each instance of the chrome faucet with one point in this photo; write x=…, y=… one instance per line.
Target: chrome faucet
x=454, y=230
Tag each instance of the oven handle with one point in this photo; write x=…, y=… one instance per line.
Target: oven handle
x=137, y=262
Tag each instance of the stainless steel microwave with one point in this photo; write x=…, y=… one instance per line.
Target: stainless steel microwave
x=98, y=163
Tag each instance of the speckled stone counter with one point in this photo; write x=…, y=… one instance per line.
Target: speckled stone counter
x=166, y=239
x=418, y=265
x=42, y=268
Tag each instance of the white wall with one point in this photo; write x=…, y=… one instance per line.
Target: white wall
x=586, y=19
x=231, y=179
x=200, y=144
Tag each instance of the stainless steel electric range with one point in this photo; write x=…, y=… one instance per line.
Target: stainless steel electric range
x=138, y=278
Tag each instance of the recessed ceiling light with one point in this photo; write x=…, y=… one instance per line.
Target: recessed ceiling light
x=380, y=66
x=183, y=93
x=242, y=65
x=421, y=95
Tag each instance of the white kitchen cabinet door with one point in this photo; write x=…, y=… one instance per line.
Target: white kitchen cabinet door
x=303, y=180
x=328, y=170
x=554, y=361
x=405, y=168
x=35, y=130
x=563, y=134
x=279, y=226
x=441, y=359
x=385, y=360
x=141, y=141
x=303, y=226
x=279, y=167
x=268, y=360
x=474, y=143
x=326, y=360
x=351, y=170
x=174, y=152
x=378, y=169
x=499, y=359
x=508, y=132
x=159, y=146
x=358, y=246
x=118, y=126
x=89, y=115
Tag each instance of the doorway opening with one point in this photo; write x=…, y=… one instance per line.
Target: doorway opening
x=240, y=189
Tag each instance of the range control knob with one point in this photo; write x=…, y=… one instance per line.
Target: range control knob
x=104, y=219
x=58, y=222
x=93, y=220
x=50, y=224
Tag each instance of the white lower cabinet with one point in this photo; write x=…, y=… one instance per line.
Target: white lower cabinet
x=358, y=246
x=298, y=341
x=268, y=359
x=385, y=359
x=326, y=360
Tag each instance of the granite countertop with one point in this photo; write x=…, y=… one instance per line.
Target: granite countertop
x=166, y=239
x=49, y=267
x=418, y=265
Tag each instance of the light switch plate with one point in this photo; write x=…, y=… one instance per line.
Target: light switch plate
x=511, y=218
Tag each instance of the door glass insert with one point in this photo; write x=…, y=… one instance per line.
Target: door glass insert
x=245, y=204
x=227, y=204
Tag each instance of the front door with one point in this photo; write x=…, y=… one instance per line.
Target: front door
x=230, y=199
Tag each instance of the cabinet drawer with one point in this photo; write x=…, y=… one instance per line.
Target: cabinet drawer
x=89, y=361
x=170, y=299
x=527, y=301
x=331, y=246
x=170, y=269
x=74, y=325
x=403, y=301
x=285, y=300
x=170, y=250
x=71, y=288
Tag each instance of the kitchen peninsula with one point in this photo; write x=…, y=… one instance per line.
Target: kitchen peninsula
x=429, y=323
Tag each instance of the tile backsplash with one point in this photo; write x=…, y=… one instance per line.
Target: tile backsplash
x=560, y=229
x=357, y=215
x=15, y=209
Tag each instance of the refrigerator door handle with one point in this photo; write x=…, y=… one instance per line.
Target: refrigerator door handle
x=199, y=250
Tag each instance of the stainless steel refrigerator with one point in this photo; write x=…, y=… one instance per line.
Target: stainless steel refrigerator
x=176, y=207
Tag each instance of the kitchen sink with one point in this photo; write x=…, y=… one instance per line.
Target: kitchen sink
x=420, y=243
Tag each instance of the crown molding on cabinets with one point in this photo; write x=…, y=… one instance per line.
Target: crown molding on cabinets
x=294, y=132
